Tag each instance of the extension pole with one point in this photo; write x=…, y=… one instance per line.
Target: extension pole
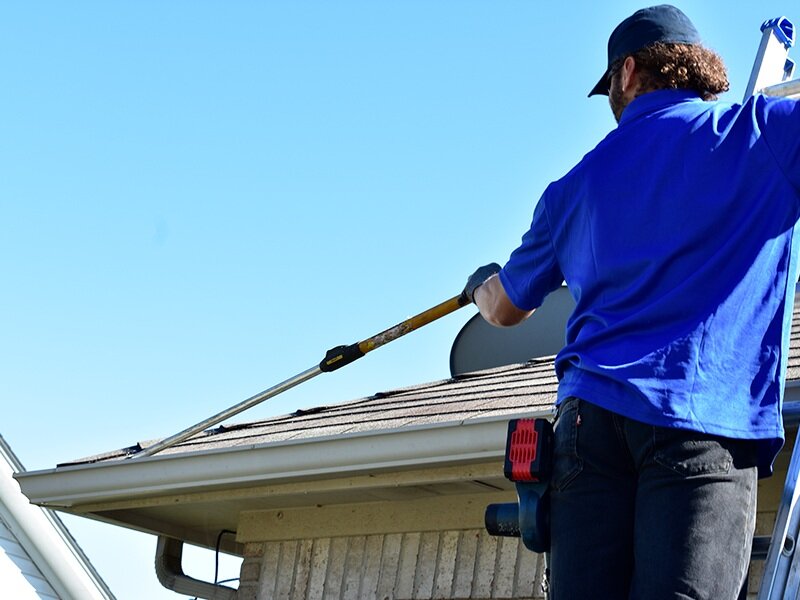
x=334, y=359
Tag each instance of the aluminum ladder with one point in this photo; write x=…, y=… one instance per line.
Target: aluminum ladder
x=772, y=76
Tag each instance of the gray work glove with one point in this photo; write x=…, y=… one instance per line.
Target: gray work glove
x=477, y=278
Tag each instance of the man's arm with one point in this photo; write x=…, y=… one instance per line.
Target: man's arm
x=495, y=306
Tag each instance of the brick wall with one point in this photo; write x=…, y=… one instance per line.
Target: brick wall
x=410, y=566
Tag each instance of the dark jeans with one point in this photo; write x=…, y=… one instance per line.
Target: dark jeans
x=645, y=513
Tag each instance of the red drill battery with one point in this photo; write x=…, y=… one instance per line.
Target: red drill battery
x=529, y=450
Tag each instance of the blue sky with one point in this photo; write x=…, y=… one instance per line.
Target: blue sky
x=200, y=198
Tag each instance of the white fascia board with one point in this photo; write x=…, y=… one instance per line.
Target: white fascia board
x=45, y=538
x=464, y=442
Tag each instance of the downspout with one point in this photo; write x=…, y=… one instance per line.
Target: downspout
x=169, y=555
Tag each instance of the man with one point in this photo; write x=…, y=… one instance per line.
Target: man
x=676, y=237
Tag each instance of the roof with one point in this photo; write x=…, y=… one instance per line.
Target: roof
x=426, y=439
x=421, y=441
x=497, y=392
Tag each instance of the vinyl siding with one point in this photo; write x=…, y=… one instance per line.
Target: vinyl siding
x=19, y=577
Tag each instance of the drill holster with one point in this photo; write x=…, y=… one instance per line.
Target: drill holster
x=528, y=462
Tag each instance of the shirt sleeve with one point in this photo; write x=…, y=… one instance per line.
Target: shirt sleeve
x=532, y=271
x=781, y=131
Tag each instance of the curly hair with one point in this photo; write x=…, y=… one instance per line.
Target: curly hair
x=680, y=66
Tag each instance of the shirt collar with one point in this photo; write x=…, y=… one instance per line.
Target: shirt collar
x=652, y=101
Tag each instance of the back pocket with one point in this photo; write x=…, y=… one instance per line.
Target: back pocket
x=690, y=452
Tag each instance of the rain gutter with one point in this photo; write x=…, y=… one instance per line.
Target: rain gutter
x=463, y=442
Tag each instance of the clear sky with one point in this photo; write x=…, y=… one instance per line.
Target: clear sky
x=198, y=199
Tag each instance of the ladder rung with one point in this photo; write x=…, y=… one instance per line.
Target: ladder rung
x=784, y=90
x=760, y=547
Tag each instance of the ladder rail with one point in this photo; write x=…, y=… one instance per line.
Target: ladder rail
x=772, y=64
x=780, y=574
x=771, y=75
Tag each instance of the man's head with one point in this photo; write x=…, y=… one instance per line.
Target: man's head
x=665, y=53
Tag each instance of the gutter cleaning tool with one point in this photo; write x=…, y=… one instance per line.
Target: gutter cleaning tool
x=335, y=358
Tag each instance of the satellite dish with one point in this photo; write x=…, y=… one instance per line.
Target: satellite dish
x=481, y=346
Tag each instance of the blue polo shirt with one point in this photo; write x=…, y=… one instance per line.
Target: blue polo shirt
x=676, y=237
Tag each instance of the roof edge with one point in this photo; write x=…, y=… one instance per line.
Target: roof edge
x=463, y=442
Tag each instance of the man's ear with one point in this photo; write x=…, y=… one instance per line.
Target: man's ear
x=628, y=74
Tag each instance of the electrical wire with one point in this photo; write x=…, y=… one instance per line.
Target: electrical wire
x=216, y=560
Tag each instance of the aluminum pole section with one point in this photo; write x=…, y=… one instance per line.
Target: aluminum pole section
x=335, y=358
x=772, y=65
x=229, y=412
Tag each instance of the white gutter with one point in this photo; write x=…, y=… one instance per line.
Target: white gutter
x=46, y=540
x=450, y=443
x=470, y=441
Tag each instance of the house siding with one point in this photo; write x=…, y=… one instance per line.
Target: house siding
x=20, y=578
x=399, y=566
x=463, y=564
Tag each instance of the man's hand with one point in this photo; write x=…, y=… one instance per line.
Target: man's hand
x=477, y=278
x=491, y=299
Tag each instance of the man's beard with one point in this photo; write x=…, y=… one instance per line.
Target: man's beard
x=615, y=97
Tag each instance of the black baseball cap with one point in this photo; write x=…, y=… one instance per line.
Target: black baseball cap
x=663, y=23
